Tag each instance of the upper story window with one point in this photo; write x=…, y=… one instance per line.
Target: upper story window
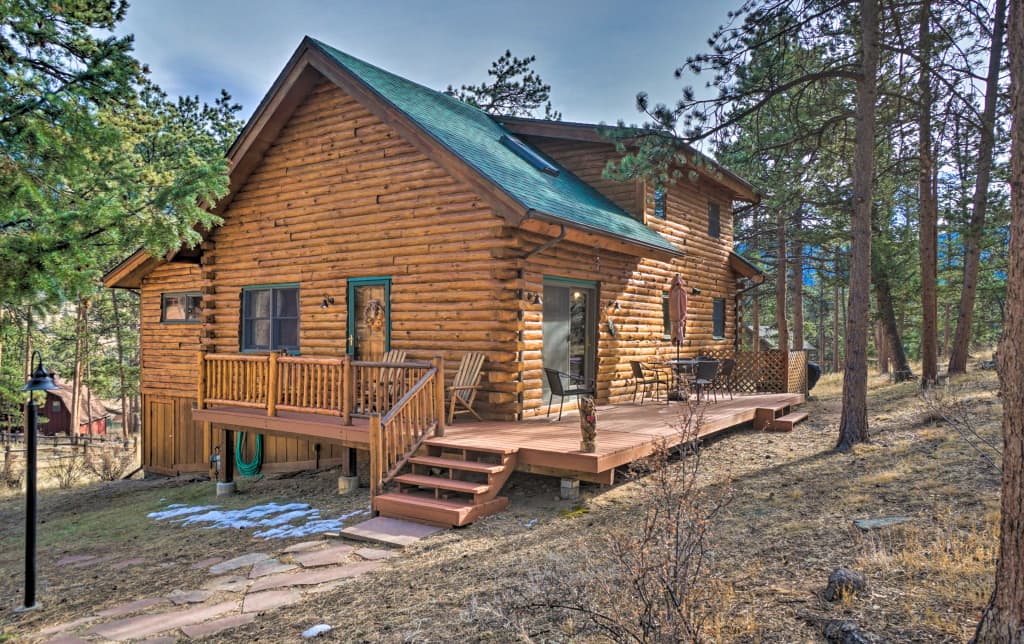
x=180, y=307
x=714, y=220
x=270, y=318
x=718, y=319
x=659, y=203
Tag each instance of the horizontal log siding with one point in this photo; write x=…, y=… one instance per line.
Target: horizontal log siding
x=636, y=283
x=340, y=194
x=168, y=351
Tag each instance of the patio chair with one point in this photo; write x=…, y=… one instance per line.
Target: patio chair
x=644, y=376
x=389, y=379
x=465, y=385
x=578, y=386
x=723, y=380
x=704, y=378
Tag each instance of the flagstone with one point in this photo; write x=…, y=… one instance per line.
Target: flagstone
x=269, y=567
x=206, y=563
x=305, y=545
x=67, y=639
x=326, y=557
x=395, y=532
x=142, y=626
x=375, y=554
x=270, y=599
x=66, y=626
x=71, y=559
x=313, y=577
x=189, y=596
x=124, y=563
x=132, y=607
x=232, y=584
x=198, y=631
x=239, y=562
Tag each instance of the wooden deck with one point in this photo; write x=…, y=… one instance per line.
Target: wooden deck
x=625, y=433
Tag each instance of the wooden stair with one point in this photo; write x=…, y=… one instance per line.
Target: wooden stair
x=777, y=418
x=449, y=485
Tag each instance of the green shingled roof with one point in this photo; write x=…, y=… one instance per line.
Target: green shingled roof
x=475, y=137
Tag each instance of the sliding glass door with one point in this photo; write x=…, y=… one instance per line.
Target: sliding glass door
x=570, y=327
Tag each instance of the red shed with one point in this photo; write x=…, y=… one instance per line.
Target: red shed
x=92, y=419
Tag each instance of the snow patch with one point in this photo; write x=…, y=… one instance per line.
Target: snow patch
x=276, y=520
x=316, y=631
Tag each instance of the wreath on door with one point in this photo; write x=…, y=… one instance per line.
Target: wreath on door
x=373, y=315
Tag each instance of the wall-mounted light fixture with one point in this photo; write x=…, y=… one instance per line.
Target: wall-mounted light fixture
x=694, y=291
x=531, y=297
x=613, y=305
x=327, y=301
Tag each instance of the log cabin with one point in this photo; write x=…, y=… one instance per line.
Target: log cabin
x=369, y=214
x=93, y=415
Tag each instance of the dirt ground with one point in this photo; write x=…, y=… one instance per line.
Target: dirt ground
x=789, y=524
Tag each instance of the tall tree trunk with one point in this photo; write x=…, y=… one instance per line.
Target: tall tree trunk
x=820, y=356
x=1003, y=619
x=891, y=328
x=835, y=328
x=944, y=347
x=780, y=283
x=119, y=343
x=882, y=349
x=755, y=322
x=76, y=383
x=797, y=284
x=979, y=201
x=853, y=422
x=28, y=343
x=929, y=211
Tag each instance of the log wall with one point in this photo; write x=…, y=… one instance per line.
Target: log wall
x=341, y=195
x=637, y=284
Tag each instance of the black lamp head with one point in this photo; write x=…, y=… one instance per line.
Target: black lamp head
x=694, y=291
x=42, y=379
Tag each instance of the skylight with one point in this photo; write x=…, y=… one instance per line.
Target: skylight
x=525, y=153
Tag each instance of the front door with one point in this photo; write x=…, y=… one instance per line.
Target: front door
x=369, y=317
x=570, y=328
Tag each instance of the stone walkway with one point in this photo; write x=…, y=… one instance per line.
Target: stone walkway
x=238, y=591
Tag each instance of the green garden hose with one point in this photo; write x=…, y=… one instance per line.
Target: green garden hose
x=252, y=468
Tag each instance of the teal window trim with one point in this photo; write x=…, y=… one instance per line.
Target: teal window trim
x=243, y=338
x=186, y=320
x=568, y=281
x=718, y=319
x=666, y=319
x=714, y=219
x=350, y=285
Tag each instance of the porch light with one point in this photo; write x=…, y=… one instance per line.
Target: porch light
x=41, y=380
x=327, y=301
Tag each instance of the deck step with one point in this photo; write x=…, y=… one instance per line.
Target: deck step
x=764, y=417
x=436, y=511
x=442, y=483
x=445, y=444
x=457, y=464
x=786, y=423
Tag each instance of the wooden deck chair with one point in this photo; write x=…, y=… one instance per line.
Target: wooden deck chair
x=390, y=378
x=465, y=384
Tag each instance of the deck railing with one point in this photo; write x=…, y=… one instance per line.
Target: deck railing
x=396, y=435
x=327, y=386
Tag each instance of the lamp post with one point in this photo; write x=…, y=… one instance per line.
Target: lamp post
x=41, y=380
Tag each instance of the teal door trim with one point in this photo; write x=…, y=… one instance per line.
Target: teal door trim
x=351, y=285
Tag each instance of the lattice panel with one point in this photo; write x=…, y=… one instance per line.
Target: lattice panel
x=764, y=371
x=796, y=380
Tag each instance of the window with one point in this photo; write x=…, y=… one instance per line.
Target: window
x=666, y=319
x=56, y=405
x=718, y=319
x=181, y=307
x=659, y=203
x=270, y=318
x=714, y=223
x=528, y=154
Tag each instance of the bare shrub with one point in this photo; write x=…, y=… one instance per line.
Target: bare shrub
x=951, y=405
x=648, y=578
x=110, y=464
x=67, y=470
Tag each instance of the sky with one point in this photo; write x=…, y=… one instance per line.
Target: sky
x=595, y=54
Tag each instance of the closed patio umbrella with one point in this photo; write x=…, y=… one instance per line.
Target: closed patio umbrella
x=677, y=311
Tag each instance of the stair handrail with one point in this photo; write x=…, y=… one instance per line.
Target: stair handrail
x=398, y=434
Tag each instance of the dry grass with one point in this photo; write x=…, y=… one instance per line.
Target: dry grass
x=788, y=525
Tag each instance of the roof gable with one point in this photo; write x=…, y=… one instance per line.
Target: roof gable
x=475, y=138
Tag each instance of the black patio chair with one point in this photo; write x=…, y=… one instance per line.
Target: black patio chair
x=644, y=376
x=704, y=378
x=723, y=380
x=578, y=386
